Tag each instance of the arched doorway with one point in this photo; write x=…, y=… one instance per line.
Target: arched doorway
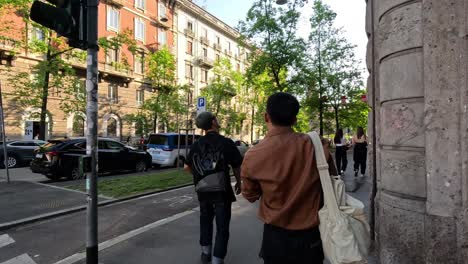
x=112, y=126
x=78, y=127
x=31, y=124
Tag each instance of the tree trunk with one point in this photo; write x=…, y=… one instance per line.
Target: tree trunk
x=45, y=95
x=155, y=122
x=337, y=117
x=252, y=126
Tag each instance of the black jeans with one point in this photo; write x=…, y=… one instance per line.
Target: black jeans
x=222, y=211
x=341, y=158
x=360, y=157
x=281, y=246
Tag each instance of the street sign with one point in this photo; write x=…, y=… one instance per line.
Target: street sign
x=201, y=105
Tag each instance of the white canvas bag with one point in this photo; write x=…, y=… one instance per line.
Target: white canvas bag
x=343, y=226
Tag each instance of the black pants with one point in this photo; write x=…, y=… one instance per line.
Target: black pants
x=341, y=158
x=360, y=157
x=281, y=246
x=222, y=212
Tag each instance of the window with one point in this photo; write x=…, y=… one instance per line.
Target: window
x=218, y=57
x=113, y=18
x=139, y=29
x=140, y=4
x=37, y=34
x=78, y=126
x=218, y=40
x=205, y=33
x=190, y=26
x=204, y=76
x=238, y=67
x=112, y=144
x=162, y=37
x=111, y=129
x=188, y=71
x=189, y=47
x=80, y=89
x=229, y=46
x=205, y=52
x=162, y=11
x=112, y=94
x=140, y=97
x=139, y=62
x=112, y=56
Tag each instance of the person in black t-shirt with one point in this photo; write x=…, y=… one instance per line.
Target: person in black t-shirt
x=209, y=160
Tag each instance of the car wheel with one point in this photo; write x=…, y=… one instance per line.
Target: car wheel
x=181, y=162
x=140, y=166
x=74, y=174
x=12, y=161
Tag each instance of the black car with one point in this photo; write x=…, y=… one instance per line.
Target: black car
x=60, y=158
x=19, y=152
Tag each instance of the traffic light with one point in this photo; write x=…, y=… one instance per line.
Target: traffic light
x=66, y=17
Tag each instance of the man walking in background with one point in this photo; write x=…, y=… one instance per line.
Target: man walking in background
x=282, y=172
x=209, y=161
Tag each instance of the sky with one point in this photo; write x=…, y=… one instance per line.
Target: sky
x=350, y=16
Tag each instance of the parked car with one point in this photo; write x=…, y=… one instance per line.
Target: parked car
x=20, y=153
x=164, y=148
x=241, y=146
x=60, y=158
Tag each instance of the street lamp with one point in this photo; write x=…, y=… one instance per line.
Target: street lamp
x=281, y=2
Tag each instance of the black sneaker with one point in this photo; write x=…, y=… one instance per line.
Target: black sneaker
x=205, y=258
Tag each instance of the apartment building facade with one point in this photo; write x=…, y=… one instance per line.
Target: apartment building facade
x=202, y=39
x=122, y=83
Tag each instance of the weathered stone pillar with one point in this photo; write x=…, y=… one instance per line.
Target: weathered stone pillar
x=417, y=58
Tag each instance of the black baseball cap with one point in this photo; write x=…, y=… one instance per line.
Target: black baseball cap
x=205, y=120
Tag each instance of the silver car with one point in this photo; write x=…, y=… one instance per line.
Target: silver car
x=20, y=152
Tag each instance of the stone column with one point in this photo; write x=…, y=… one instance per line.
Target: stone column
x=418, y=65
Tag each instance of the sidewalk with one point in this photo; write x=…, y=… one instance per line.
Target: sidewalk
x=22, y=201
x=176, y=241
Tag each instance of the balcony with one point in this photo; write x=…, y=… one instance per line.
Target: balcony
x=205, y=62
x=217, y=47
x=117, y=3
x=189, y=32
x=205, y=41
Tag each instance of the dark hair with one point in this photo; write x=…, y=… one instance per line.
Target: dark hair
x=338, y=136
x=360, y=132
x=282, y=109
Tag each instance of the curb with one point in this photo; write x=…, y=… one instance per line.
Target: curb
x=75, y=209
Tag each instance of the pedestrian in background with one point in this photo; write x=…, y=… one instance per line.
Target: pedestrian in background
x=281, y=171
x=360, y=143
x=341, y=151
x=209, y=160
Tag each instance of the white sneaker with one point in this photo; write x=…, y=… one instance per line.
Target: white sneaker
x=362, y=176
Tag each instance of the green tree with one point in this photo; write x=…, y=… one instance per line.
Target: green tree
x=166, y=99
x=272, y=30
x=333, y=69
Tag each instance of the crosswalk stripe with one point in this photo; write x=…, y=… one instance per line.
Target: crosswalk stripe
x=5, y=240
x=23, y=259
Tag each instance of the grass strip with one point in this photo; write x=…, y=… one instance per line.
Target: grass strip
x=134, y=185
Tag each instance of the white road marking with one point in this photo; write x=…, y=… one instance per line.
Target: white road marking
x=23, y=259
x=6, y=240
x=111, y=242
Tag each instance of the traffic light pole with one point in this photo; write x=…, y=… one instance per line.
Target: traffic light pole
x=92, y=126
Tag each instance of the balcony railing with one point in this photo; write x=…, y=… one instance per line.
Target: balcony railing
x=118, y=3
x=189, y=32
x=205, y=41
x=217, y=47
x=205, y=62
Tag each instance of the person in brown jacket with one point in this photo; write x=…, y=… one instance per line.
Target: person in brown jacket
x=282, y=173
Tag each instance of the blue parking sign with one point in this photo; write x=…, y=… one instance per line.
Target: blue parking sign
x=201, y=102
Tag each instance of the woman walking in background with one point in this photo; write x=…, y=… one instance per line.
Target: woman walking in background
x=340, y=154
x=360, y=152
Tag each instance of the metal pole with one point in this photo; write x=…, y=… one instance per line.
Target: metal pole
x=5, y=151
x=91, y=135
x=178, y=149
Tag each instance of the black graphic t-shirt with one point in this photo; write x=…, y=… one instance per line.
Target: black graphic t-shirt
x=210, y=154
